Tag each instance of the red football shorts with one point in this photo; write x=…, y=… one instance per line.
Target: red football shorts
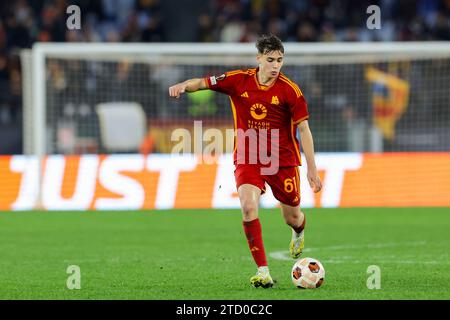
x=285, y=184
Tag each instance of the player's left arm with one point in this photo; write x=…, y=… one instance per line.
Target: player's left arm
x=308, y=150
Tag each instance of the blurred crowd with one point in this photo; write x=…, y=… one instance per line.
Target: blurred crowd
x=324, y=20
x=23, y=22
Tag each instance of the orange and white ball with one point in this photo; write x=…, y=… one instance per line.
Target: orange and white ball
x=308, y=273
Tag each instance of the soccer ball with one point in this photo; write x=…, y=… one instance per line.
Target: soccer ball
x=308, y=273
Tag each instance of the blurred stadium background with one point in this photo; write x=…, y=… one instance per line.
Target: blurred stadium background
x=86, y=124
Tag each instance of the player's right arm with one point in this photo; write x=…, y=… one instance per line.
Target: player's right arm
x=190, y=85
x=225, y=83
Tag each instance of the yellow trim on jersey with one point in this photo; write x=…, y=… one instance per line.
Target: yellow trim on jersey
x=206, y=82
x=232, y=73
x=297, y=93
x=236, y=72
x=301, y=119
x=297, y=173
x=233, y=108
x=293, y=86
x=295, y=144
x=263, y=87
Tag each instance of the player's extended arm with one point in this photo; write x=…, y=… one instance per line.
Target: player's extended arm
x=190, y=85
x=308, y=149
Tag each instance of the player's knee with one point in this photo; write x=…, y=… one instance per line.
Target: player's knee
x=250, y=209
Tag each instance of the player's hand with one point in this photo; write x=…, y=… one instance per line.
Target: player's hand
x=314, y=180
x=176, y=90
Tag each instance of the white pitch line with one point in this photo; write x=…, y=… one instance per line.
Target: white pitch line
x=368, y=246
x=284, y=255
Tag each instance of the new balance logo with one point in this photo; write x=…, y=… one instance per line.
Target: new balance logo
x=244, y=95
x=275, y=100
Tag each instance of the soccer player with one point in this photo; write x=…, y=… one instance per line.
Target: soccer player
x=264, y=100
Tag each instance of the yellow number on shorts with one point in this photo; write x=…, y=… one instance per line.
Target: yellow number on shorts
x=288, y=185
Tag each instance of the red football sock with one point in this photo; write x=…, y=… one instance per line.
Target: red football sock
x=302, y=226
x=253, y=233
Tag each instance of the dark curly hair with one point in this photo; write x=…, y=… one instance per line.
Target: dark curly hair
x=269, y=43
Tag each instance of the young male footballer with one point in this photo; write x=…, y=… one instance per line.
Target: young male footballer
x=267, y=106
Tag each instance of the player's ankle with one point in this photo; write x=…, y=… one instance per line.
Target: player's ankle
x=300, y=227
x=263, y=269
x=296, y=234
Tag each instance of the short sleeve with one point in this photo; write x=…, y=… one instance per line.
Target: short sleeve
x=299, y=109
x=225, y=83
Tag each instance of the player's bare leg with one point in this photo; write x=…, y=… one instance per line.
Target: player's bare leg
x=249, y=196
x=295, y=218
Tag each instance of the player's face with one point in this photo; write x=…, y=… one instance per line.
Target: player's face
x=270, y=63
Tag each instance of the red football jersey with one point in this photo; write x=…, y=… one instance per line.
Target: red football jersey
x=279, y=106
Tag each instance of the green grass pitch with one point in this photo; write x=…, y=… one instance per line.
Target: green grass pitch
x=203, y=254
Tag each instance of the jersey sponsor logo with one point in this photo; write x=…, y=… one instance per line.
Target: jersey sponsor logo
x=244, y=95
x=258, y=111
x=275, y=100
